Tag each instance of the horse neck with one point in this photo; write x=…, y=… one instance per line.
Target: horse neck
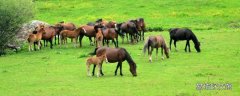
x=195, y=40
x=129, y=59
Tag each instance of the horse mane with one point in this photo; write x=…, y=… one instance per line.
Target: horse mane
x=129, y=58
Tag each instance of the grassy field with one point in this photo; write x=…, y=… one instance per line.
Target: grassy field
x=62, y=71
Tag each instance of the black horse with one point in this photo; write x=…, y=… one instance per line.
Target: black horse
x=184, y=34
x=117, y=55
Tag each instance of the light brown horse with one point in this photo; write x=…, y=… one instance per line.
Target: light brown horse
x=98, y=60
x=88, y=31
x=48, y=35
x=117, y=55
x=99, y=36
x=156, y=42
x=70, y=34
x=63, y=26
x=110, y=34
x=36, y=37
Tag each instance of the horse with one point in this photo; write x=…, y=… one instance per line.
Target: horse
x=117, y=55
x=155, y=42
x=48, y=35
x=140, y=24
x=63, y=26
x=99, y=36
x=177, y=34
x=128, y=28
x=98, y=60
x=36, y=37
x=88, y=31
x=110, y=34
x=70, y=34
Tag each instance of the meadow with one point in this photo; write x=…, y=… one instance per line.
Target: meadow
x=62, y=71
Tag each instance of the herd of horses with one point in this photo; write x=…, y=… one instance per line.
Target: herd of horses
x=103, y=31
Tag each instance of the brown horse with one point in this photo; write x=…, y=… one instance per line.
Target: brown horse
x=156, y=42
x=70, y=34
x=36, y=37
x=98, y=60
x=140, y=24
x=117, y=55
x=88, y=31
x=63, y=26
x=110, y=34
x=48, y=35
x=99, y=36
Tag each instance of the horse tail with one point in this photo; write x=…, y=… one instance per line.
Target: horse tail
x=146, y=46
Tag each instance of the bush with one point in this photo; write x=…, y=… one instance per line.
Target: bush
x=13, y=13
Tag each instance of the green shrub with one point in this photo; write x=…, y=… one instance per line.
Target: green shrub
x=13, y=13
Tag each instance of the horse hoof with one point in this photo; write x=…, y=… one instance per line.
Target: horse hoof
x=121, y=74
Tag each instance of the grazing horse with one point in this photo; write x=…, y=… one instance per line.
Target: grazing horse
x=128, y=28
x=88, y=31
x=117, y=55
x=184, y=34
x=156, y=42
x=98, y=60
x=48, y=35
x=99, y=36
x=36, y=37
x=63, y=26
x=70, y=34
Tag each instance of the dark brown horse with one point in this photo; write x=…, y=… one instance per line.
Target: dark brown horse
x=88, y=31
x=156, y=42
x=140, y=24
x=48, y=35
x=128, y=28
x=63, y=26
x=177, y=34
x=117, y=55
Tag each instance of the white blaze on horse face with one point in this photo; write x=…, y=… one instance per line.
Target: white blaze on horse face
x=115, y=26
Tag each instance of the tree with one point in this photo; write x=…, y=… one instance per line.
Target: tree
x=13, y=13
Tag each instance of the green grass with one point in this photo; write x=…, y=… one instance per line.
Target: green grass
x=62, y=71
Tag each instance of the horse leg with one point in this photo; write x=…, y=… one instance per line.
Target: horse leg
x=170, y=43
x=175, y=45
x=121, y=68
x=51, y=45
x=150, y=54
x=117, y=41
x=189, y=49
x=80, y=40
x=162, y=53
x=108, y=43
x=93, y=71
x=117, y=69
x=55, y=38
x=114, y=42
x=88, y=69
x=186, y=46
x=39, y=45
x=90, y=39
x=156, y=53
x=99, y=70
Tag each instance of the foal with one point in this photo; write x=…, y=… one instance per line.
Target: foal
x=96, y=61
x=70, y=34
x=36, y=38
